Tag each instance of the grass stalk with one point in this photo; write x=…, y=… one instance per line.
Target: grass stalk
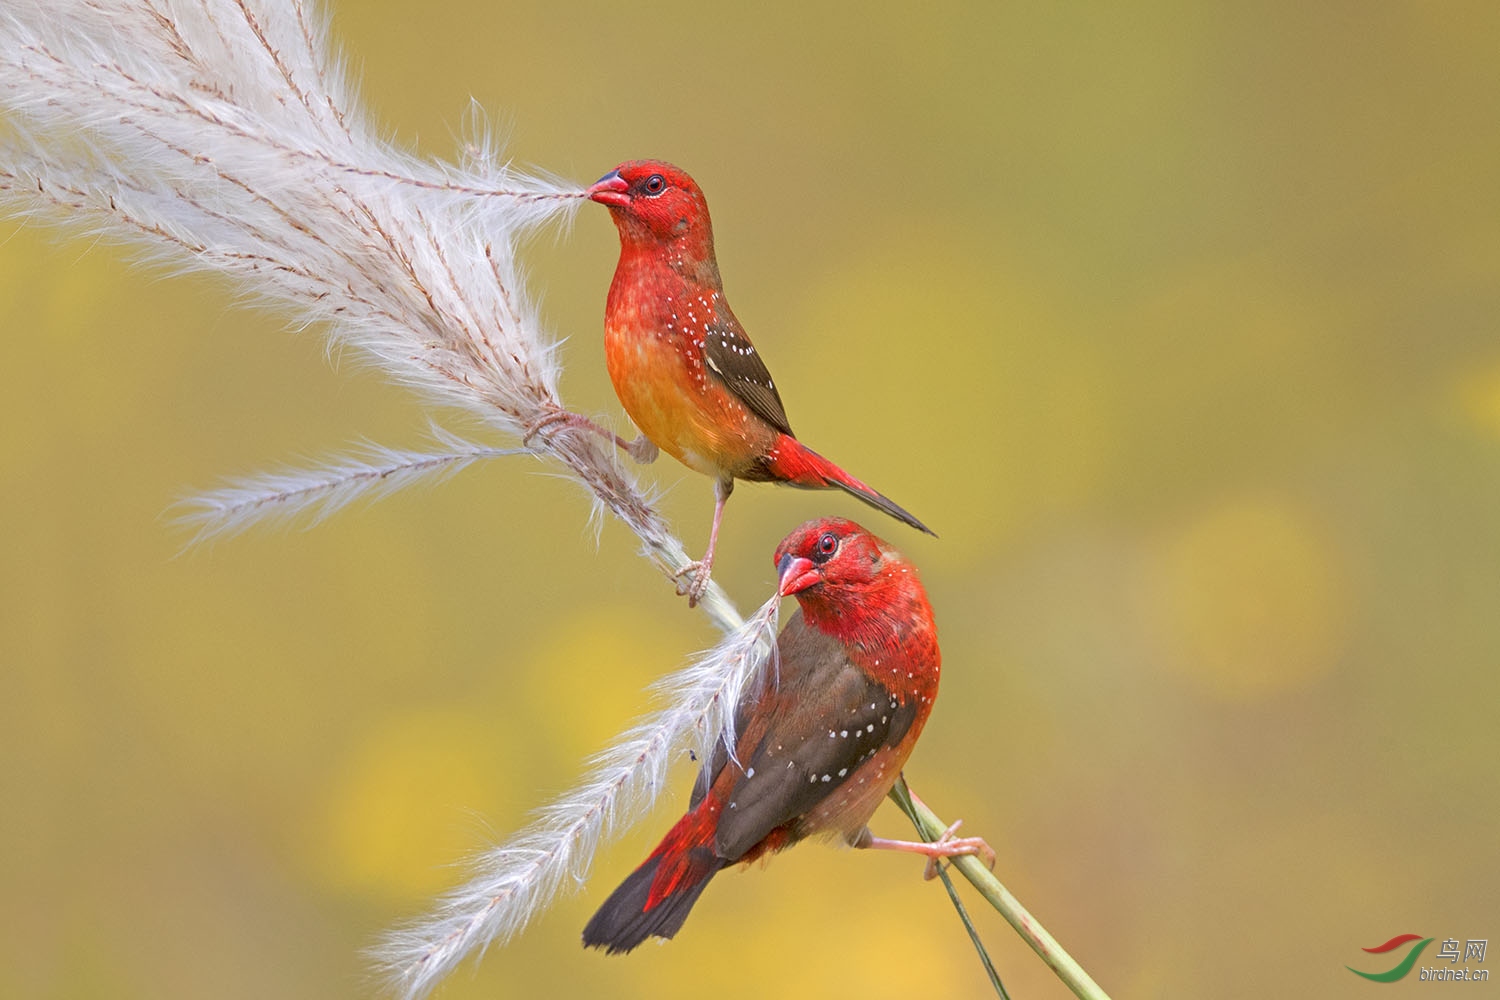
x=930, y=828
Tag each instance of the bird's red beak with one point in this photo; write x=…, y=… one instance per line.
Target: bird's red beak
x=610, y=190
x=797, y=574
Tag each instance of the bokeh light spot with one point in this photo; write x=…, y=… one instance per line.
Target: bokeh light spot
x=966, y=381
x=406, y=804
x=1479, y=399
x=1248, y=599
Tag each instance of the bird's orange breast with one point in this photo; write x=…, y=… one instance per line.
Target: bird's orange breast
x=663, y=381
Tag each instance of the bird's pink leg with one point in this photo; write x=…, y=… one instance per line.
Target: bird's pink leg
x=698, y=572
x=946, y=846
x=641, y=449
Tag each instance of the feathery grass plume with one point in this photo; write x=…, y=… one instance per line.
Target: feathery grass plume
x=218, y=134
x=221, y=135
x=514, y=881
x=314, y=494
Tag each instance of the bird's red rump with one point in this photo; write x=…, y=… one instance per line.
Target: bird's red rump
x=686, y=852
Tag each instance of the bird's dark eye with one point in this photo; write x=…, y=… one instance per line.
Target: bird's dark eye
x=828, y=544
x=656, y=184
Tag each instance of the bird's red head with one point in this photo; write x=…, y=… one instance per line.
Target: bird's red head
x=856, y=587
x=833, y=554
x=654, y=202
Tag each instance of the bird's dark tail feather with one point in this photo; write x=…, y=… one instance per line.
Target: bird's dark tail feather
x=626, y=919
x=883, y=503
x=795, y=464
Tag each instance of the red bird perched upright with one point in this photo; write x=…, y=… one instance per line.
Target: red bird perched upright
x=681, y=363
x=820, y=742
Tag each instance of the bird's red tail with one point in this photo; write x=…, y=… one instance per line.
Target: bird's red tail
x=656, y=898
x=792, y=462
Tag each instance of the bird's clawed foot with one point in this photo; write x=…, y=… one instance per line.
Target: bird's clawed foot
x=949, y=846
x=553, y=416
x=641, y=449
x=946, y=846
x=692, y=581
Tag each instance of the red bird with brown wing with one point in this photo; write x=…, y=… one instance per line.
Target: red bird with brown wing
x=682, y=365
x=819, y=743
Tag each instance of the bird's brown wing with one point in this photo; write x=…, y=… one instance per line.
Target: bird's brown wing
x=732, y=357
x=829, y=718
x=715, y=764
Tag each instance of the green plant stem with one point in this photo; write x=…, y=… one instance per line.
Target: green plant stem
x=972, y=868
x=963, y=914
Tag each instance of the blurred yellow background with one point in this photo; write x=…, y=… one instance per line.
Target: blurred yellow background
x=1177, y=321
